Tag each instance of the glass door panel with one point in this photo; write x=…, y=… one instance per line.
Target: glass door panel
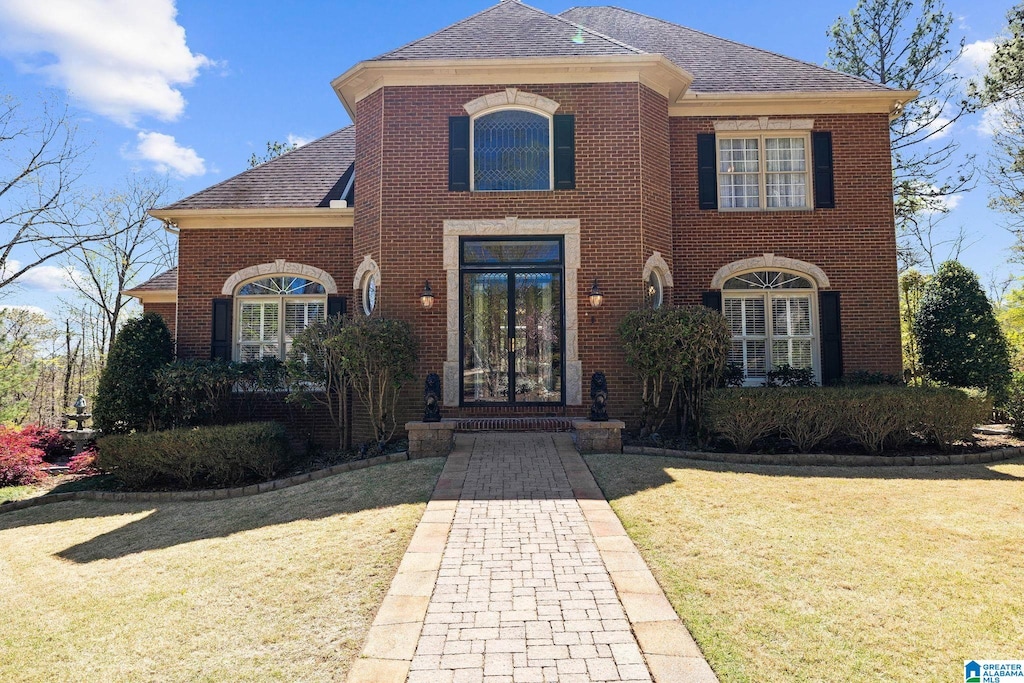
x=538, y=348
x=485, y=337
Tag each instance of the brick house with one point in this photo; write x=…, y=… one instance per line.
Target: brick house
x=517, y=162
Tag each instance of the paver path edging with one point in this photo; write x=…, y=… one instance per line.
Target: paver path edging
x=520, y=571
x=826, y=459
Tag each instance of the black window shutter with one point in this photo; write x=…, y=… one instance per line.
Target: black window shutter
x=831, y=338
x=220, y=338
x=712, y=300
x=458, y=153
x=707, y=174
x=337, y=305
x=824, y=184
x=565, y=152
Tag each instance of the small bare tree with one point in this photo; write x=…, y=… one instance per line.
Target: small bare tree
x=133, y=242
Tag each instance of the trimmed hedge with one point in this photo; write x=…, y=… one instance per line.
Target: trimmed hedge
x=875, y=418
x=196, y=457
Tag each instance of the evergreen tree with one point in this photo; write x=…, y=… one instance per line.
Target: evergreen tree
x=905, y=45
x=1003, y=90
x=959, y=340
x=126, y=397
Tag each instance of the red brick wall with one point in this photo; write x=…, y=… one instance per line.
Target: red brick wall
x=853, y=243
x=207, y=258
x=409, y=127
x=165, y=310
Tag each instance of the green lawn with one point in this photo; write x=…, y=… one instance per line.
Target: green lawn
x=818, y=574
x=280, y=586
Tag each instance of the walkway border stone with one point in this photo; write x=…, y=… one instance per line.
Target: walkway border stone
x=205, y=494
x=391, y=642
x=826, y=459
x=671, y=653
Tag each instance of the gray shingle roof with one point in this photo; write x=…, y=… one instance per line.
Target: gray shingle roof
x=303, y=178
x=508, y=30
x=718, y=65
x=167, y=280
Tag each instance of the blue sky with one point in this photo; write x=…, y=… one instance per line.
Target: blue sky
x=193, y=88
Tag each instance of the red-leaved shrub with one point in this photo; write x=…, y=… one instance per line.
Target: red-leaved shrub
x=20, y=460
x=54, y=445
x=84, y=462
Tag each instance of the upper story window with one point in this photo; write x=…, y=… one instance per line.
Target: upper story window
x=271, y=311
x=512, y=151
x=764, y=171
x=511, y=141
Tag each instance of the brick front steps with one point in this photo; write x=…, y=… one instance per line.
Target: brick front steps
x=833, y=460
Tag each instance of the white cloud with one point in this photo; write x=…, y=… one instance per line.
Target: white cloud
x=298, y=140
x=974, y=61
x=993, y=119
x=167, y=156
x=18, y=307
x=120, y=58
x=42, y=278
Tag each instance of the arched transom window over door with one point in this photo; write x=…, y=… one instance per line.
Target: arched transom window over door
x=512, y=151
x=772, y=317
x=271, y=311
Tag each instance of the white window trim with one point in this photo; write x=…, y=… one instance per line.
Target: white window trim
x=767, y=295
x=511, y=107
x=236, y=348
x=762, y=173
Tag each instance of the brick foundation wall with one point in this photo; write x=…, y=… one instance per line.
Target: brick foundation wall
x=853, y=243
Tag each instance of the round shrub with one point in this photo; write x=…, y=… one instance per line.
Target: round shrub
x=126, y=397
x=20, y=460
x=960, y=341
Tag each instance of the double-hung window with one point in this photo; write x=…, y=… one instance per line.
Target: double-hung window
x=272, y=311
x=771, y=316
x=760, y=171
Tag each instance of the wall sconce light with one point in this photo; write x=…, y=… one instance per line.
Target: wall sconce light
x=427, y=298
x=596, y=297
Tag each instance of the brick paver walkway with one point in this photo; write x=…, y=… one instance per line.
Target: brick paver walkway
x=522, y=593
x=537, y=580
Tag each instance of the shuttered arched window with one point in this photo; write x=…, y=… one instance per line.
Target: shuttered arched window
x=271, y=311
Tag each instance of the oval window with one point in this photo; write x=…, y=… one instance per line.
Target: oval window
x=654, y=290
x=369, y=294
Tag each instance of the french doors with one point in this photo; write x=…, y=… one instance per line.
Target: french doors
x=512, y=321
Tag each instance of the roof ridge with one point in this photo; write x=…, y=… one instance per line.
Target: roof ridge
x=263, y=165
x=728, y=40
x=439, y=31
x=583, y=27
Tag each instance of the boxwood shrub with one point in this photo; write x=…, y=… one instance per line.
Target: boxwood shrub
x=196, y=457
x=875, y=418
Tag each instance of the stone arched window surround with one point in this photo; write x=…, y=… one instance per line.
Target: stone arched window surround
x=510, y=97
x=770, y=262
x=656, y=264
x=367, y=269
x=279, y=267
x=569, y=229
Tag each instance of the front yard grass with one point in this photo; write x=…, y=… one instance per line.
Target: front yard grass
x=18, y=492
x=279, y=586
x=819, y=574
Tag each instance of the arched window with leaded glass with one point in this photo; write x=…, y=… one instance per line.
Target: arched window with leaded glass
x=271, y=311
x=772, y=316
x=512, y=151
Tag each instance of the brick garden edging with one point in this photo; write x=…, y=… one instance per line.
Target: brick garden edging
x=207, y=494
x=826, y=459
